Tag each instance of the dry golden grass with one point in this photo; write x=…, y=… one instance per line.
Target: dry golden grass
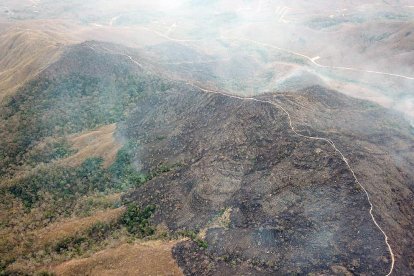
x=23, y=54
x=67, y=228
x=99, y=142
x=146, y=258
x=48, y=236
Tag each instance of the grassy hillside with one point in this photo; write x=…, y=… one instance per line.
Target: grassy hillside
x=51, y=170
x=23, y=54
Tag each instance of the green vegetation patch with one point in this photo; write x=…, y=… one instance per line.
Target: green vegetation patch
x=193, y=236
x=51, y=108
x=136, y=220
x=65, y=184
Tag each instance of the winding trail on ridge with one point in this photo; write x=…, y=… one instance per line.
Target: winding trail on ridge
x=278, y=106
x=312, y=60
x=320, y=139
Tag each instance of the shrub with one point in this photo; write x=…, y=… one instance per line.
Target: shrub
x=62, y=182
x=136, y=220
x=69, y=243
x=47, y=150
x=193, y=236
x=99, y=231
x=201, y=243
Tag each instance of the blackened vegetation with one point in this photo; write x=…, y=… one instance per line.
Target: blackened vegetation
x=295, y=207
x=378, y=143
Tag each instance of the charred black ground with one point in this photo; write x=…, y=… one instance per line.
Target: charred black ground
x=294, y=205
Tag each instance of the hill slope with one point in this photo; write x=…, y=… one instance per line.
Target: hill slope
x=293, y=205
x=252, y=196
x=23, y=54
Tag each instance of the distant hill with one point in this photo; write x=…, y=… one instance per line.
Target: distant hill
x=23, y=54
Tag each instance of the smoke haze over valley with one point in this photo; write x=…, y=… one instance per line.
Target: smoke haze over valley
x=363, y=50
x=196, y=137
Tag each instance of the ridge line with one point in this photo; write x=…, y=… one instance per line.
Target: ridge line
x=301, y=135
x=316, y=138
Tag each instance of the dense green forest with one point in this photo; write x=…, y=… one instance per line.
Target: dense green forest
x=54, y=108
